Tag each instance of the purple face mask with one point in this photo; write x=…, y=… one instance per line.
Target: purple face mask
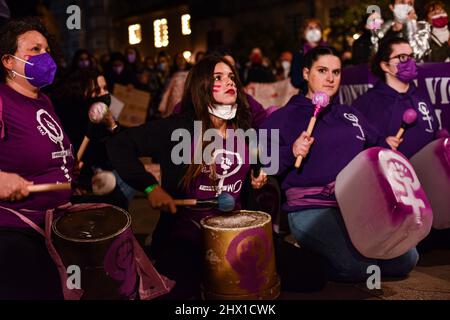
x=84, y=64
x=39, y=70
x=406, y=71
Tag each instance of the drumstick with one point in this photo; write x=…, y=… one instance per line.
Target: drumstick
x=409, y=117
x=97, y=113
x=49, y=187
x=321, y=100
x=224, y=202
x=83, y=148
x=257, y=165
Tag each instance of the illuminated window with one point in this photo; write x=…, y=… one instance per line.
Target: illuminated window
x=187, y=55
x=134, y=34
x=186, y=24
x=161, y=33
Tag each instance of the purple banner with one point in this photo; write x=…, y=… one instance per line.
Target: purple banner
x=433, y=79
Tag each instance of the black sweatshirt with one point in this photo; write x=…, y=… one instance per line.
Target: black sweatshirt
x=152, y=139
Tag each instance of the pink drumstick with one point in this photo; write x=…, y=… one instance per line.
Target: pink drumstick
x=320, y=100
x=409, y=117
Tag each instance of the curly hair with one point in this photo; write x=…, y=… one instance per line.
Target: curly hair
x=10, y=32
x=432, y=5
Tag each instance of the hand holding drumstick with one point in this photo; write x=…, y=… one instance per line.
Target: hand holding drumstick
x=409, y=117
x=98, y=112
x=320, y=100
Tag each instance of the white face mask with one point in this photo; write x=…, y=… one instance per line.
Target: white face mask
x=401, y=12
x=442, y=34
x=223, y=111
x=286, y=65
x=313, y=35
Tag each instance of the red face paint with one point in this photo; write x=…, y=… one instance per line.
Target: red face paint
x=216, y=88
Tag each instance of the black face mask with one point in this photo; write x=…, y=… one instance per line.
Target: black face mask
x=106, y=99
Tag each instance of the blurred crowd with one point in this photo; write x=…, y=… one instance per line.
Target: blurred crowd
x=159, y=74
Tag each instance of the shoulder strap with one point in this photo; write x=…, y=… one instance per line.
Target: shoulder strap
x=2, y=124
x=435, y=39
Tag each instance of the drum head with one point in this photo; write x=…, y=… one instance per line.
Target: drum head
x=236, y=220
x=92, y=225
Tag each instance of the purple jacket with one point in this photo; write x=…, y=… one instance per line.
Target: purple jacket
x=384, y=107
x=340, y=134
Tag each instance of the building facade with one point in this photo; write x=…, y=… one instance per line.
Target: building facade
x=239, y=25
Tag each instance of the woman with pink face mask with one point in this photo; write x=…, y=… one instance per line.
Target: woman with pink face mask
x=439, y=41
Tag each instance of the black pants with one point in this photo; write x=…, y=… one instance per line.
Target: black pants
x=177, y=249
x=27, y=271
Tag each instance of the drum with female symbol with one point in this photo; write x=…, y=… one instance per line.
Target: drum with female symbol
x=239, y=257
x=98, y=241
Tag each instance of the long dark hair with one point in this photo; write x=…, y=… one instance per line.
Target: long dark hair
x=383, y=54
x=198, y=95
x=78, y=85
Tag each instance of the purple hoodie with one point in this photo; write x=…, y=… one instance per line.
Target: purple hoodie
x=384, y=107
x=340, y=134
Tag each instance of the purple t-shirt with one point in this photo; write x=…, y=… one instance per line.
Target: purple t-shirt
x=36, y=148
x=232, y=166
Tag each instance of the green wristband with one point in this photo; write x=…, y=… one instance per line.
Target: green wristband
x=150, y=188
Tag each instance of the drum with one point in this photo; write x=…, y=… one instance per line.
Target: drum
x=383, y=204
x=99, y=241
x=239, y=257
x=432, y=165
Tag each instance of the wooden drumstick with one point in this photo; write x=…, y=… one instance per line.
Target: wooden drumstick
x=45, y=187
x=409, y=117
x=321, y=100
x=256, y=166
x=83, y=148
x=104, y=185
x=224, y=202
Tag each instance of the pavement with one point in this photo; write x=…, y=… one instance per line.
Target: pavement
x=430, y=280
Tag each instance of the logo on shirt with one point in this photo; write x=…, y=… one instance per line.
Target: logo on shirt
x=423, y=109
x=355, y=122
x=228, y=163
x=49, y=127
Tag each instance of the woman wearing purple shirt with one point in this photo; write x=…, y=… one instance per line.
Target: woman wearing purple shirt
x=33, y=149
x=213, y=98
x=258, y=113
x=385, y=104
x=339, y=135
